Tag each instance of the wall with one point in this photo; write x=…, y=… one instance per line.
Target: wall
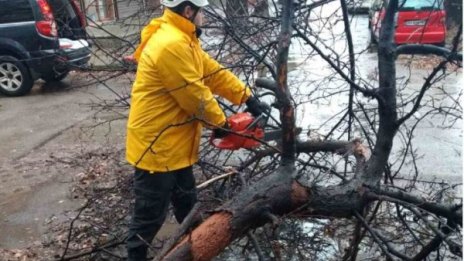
x=108, y=10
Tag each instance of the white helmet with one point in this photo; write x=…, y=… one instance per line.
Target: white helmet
x=174, y=3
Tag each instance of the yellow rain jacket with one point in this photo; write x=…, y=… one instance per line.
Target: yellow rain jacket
x=173, y=88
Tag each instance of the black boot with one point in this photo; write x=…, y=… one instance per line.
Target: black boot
x=137, y=254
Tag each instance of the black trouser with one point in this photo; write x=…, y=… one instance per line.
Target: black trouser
x=153, y=192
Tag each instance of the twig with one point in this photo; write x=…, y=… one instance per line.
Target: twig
x=434, y=229
x=388, y=250
x=433, y=245
x=93, y=250
x=210, y=181
x=71, y=228
x=255, y=244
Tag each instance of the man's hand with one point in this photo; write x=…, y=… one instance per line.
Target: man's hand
x=221, y=132
x=130, y=59
x=256, y=107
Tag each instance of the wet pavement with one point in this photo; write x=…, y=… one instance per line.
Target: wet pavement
x=50, y=121
x=437, y=140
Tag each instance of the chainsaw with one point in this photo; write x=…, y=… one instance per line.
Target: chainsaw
x=247, y=132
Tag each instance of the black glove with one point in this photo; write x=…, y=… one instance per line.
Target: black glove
x=221, y=132
x=256, y=107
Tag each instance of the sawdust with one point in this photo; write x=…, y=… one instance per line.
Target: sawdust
x=210, y=237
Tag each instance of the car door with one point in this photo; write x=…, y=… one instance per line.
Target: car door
x=17, y=25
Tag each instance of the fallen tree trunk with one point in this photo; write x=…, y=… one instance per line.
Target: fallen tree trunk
x=276, y=195
x=281, y=194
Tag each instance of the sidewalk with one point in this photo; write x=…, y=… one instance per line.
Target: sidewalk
x=111, y=42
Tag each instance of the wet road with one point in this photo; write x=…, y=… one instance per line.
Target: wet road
x=31, y=120
x=438, y=142
x=33, y=186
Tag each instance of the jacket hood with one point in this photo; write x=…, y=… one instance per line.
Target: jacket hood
x=169, y=16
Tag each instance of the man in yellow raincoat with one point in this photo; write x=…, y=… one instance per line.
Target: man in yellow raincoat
x=171, y=99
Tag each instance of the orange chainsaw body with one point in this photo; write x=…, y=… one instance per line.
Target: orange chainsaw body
x=239, y=124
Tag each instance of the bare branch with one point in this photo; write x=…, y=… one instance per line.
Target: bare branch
x=428, y=49
x=452, y=212
x=387, y=249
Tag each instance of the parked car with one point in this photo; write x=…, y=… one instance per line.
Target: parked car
x=417, y=21
x=69, y=18
x=359, y=6
x=39, y=39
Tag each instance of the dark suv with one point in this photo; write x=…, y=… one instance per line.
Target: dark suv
x=39, y=39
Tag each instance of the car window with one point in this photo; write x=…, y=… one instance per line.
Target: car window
x=421, y=4
x=15, y=11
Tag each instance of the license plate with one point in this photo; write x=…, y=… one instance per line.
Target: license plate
x=415, y=22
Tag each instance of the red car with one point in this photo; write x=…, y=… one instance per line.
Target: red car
x=417, y=21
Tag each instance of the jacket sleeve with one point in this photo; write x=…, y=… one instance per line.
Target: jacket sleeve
x=223, y=82
x=183, y=81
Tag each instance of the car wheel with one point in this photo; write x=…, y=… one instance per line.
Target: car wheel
x=15, y=79
x=55, y=76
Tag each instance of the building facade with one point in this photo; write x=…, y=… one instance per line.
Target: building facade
x=110, y=10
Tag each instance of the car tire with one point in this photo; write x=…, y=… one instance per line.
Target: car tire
x=55, y=76
x=15, y=79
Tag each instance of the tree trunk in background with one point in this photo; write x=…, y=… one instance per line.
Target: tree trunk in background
x=454, y=12
x=109, y=9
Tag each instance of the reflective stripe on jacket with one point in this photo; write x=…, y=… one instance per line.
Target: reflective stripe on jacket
x=173, y=94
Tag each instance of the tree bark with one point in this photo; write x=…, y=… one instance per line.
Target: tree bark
x=386, y=99
x=277, y=194
x=287, y=111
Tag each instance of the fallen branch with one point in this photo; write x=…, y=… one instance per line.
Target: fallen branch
x=211, y=181
x=93, y=250
x=450, y=211
x=71, y=228
x=428, y=49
